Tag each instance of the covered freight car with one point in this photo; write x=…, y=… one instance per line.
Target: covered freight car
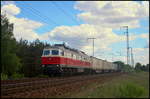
x=100, y=66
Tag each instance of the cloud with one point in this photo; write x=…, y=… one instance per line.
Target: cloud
x=144, y=35
x=112, y=13
x=76, y=37
x=141, y=55
x=7, y=2
x=23, y=27
x=10, y=9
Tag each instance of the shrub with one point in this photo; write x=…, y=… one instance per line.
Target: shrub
x=17, y=76
x=4, y=76
x=43, y=76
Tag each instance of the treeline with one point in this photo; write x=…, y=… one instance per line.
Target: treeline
x=140, y=67
x=29, y=54
x=127, y=68
x=19, y=58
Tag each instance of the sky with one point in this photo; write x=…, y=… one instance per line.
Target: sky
x=73, y=22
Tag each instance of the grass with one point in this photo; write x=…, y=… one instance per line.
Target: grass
x=133, y=85
x=130, y=90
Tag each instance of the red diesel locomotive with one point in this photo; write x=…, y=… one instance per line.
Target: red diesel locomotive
x=59, y=59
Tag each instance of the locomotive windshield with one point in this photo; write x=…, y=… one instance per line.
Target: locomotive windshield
x=46, y=52
x=55, y=52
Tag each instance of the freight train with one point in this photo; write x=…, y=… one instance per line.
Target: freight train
x=61, y=59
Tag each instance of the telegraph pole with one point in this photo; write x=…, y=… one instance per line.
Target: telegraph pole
x=126, y=27
x=93, y=44
x=93, y=48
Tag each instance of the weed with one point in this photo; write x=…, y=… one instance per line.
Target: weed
x=130, y=90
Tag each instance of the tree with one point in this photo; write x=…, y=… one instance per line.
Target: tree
x=147, y=67
x=123, y=67
x=34, y=57
x=22, y=51
x=30, y=55
x=138, y=66
x=10, y=62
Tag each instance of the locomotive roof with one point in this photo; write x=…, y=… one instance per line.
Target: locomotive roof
x=67, y=47
x=61, y=46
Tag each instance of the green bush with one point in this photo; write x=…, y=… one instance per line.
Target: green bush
x=17, y=76
x=43, y=76
x=130, y=90
x=4, y=76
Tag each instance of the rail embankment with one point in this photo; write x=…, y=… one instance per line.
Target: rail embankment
x=131, y=85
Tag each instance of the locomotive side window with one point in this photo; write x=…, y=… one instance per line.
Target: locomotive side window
x=77, y=57
x=46, y=52
x=55, y=52
x=74, y=56
x=62, y=53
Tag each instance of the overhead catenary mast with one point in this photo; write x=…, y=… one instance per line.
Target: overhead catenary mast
x=132, y=59
x=127, y=34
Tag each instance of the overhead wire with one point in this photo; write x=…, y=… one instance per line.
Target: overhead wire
x=33, y=12
x=45, y=18
x=41, y=20
x=41, y=15
x=64, y=12
x=68, y=14
x=48, y=18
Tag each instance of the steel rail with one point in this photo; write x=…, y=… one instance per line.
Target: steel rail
x=9, y=89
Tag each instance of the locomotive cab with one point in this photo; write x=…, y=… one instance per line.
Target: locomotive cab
x=51, y=56
x=51, y=52
x=51, y=60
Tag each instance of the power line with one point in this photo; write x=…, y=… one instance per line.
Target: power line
x=40, y=19
x=43, y=17
x=74, y=18
x=36, y=13
x=32, y=13
x=48, y=18
x=65, y=13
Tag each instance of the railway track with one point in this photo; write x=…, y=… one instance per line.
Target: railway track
x=9, y=89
